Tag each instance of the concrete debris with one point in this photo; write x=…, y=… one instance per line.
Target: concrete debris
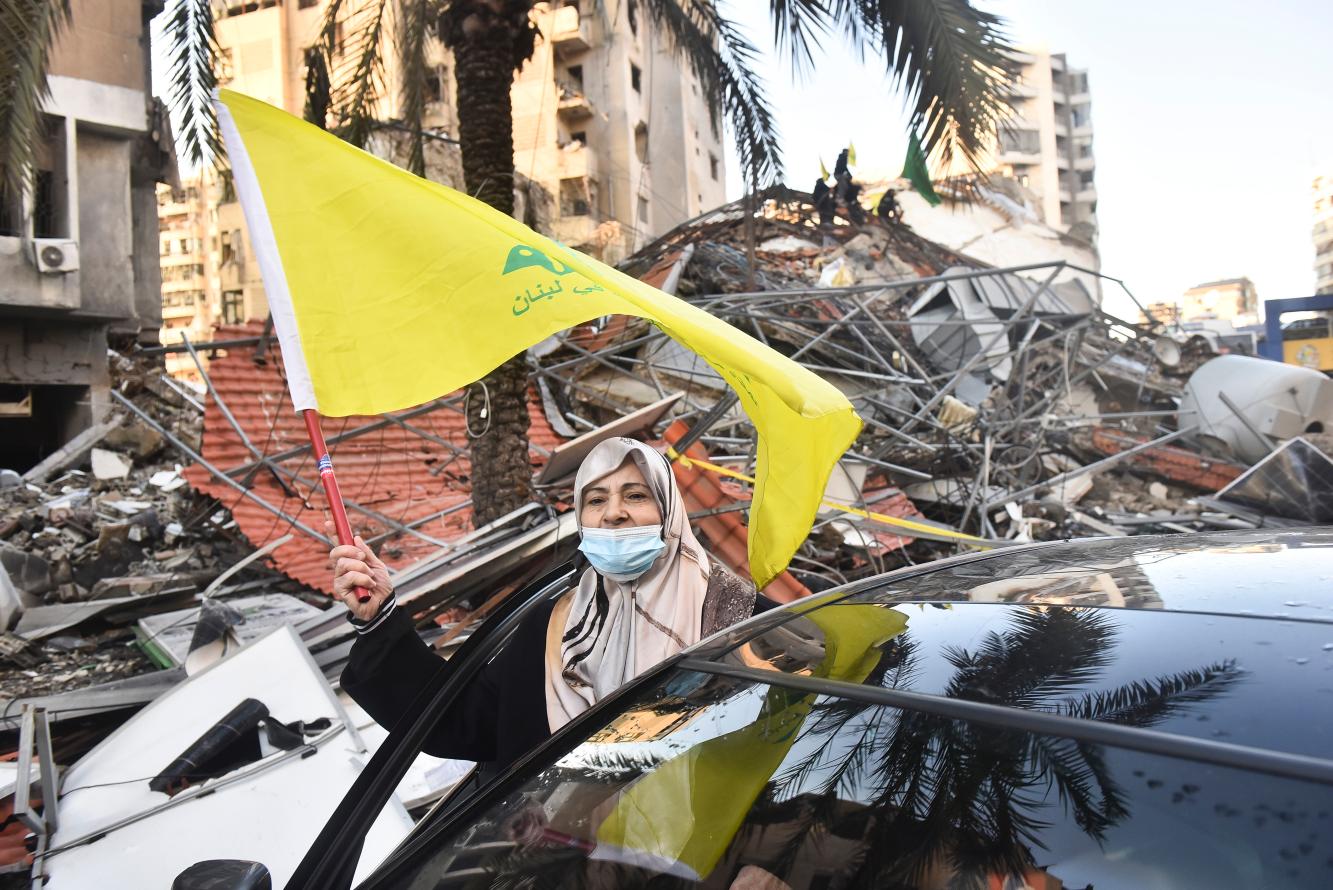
x=1001, y=404
x=103, y=533
x=110, y=464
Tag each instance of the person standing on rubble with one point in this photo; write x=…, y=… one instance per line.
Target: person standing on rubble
x=649, y=591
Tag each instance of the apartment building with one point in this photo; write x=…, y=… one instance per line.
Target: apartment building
x=78, y=252
x=614, y=142
x=1234, y=301
x=1323, y=233
x=1047, y=145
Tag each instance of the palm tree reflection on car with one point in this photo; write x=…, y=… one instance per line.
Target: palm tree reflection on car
x=965, y=796
x=921, y=793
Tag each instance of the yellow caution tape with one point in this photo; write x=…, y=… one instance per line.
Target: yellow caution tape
x=908, y=524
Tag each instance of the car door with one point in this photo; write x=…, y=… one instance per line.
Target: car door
x=759, y=766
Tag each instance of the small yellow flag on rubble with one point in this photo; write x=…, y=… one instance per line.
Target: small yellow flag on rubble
x=388, y=290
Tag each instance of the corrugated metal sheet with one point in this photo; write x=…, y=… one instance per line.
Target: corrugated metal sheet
x=397, y=472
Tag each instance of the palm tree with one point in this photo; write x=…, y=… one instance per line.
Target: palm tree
x=946, y=57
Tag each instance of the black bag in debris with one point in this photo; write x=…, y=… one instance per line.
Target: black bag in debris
x=229, y=743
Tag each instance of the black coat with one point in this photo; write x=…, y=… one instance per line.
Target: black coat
x=501, y=715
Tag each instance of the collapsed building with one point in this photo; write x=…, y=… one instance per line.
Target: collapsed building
x=78, y=250
x=1001, y=404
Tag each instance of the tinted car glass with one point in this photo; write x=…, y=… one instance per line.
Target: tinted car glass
x=1255, y=573
x=1262, y=683
x=707, y=781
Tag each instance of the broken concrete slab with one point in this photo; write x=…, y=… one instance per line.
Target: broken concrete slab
x=134, y=438
x=110, y=464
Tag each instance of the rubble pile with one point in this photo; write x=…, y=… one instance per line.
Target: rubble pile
x=103, y=533
x=1003, y=404
x=1000, y=405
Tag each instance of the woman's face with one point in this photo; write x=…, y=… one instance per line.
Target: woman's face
x=619, y=499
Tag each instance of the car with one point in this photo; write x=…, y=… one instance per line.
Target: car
x=1145, y=712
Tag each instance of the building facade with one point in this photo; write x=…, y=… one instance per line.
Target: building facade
x=1046, y=146
x=1231, y=299
x=1323, y=233
x=614, y=142
x=78, y=252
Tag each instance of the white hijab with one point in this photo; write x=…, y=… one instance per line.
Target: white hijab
x=615, y=631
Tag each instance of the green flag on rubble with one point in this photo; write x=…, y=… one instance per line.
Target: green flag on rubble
x=915, y=172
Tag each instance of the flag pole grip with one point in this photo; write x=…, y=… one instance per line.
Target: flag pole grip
x=341, y=526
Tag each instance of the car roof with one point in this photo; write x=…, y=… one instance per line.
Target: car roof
x=1237, y=626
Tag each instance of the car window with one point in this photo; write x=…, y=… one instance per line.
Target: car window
x=717, y=782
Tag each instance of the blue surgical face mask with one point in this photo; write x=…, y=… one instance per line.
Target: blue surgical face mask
x=623, y=554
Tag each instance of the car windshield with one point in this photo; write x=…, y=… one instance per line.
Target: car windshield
x=717, y=776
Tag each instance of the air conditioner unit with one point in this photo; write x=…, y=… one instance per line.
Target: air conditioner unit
x=55, y=256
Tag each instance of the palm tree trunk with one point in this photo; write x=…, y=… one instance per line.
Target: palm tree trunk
x=497, y=410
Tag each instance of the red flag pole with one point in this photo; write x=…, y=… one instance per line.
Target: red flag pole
x=330, y=483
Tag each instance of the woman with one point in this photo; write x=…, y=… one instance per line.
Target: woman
x=649, y=592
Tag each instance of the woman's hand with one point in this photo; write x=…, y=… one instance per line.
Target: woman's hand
x=356, y=565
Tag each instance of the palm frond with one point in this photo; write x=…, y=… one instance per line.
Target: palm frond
x=351, y=39
x=724, y=61
x=1146, y=703
x=1042, y=652
x=317, y=87
x=1083, y=781
x=951, y=59
x=28, y=29
x=193, y=49
x=413, y=29
x=797, y=24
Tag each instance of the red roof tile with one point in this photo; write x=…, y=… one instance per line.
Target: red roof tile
x=394, y=471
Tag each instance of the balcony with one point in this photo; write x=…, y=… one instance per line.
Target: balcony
x=183, y=285
x=182, y=311
x=571, y=33
x=1017, y=157
x=577, y=161
x=573, y=106
x=180, y=259
x=1086, y=195
x=1085, y=163
x=575, y=230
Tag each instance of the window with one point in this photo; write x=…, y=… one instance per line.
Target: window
x=50, y=196
x=574, y=197
x=576, y=76
x=632, y=11
x=435, y=86
x=712, y=166
x=581, y=137
x=226, y=71
x=1026, y=142
x=641, y=142
x=819, y=790
x=643, y=209
x=227, y=188
x=233, y=307
x=11, y=213
x=635, y=78
x=306, y=4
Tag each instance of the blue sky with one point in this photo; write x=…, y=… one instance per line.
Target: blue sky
x=1210, y=120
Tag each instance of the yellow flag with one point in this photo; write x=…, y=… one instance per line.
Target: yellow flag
x=388, y=290
x=851, y=155
x=688, y=809
x=823, y=171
